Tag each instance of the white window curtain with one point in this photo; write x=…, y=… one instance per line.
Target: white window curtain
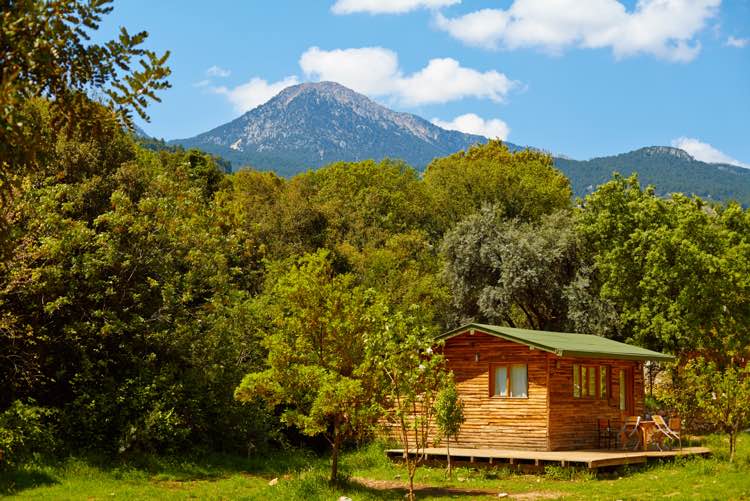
x=501, y=379
x=518, y=381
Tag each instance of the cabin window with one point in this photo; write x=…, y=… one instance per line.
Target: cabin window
x=519, y=383
x=603, y=382
x=622, y=390
x=590, y=381
x=510, y=381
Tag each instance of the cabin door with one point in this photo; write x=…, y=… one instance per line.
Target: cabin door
x=627, y=396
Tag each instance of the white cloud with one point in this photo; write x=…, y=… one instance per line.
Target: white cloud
x=218, y=71
x=255, y=92
x=370, y=70
x=474, y=124
x=666, y=29
x=202, y=83
x=737, y=43
x=375, y=71
x=705, y=152
x=387, y=6
x=445, y=80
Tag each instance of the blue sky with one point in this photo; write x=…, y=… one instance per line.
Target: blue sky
x=578, y=77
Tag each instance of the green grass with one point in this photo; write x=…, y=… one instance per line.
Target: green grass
x=302, y=475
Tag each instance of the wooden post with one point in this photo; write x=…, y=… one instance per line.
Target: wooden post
x=549, y=403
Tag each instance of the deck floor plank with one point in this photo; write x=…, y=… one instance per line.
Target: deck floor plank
x=590, y=458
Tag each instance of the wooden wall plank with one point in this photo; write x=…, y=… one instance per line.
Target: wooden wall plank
x=519, y=423
x=573, y=423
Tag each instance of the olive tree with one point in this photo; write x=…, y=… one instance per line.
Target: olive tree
x=523, y=274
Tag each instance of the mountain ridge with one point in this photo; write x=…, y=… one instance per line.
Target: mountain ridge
x=312, y=124
x=668, y=169
x=309, y=125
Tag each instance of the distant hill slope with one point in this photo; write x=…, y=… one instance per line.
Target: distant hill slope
x=140, y=133
x=313, y=124
x=669, y=169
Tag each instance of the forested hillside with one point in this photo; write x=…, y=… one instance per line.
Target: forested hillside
x=139, y=286
x=310, y=125
x=669, y=170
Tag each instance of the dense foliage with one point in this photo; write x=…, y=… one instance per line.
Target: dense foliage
x=45, y=51
x=140, y=285
x=318, y=330
x=677, y=270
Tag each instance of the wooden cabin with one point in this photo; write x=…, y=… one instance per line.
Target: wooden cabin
x=545, y=391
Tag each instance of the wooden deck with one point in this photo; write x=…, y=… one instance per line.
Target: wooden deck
x=587, y=458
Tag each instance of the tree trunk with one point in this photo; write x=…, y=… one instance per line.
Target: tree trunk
x=412, y=471
x=335, y=454
x=450, y=469
x=732, y=446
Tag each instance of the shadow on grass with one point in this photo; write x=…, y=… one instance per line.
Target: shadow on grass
x=199, y=467
x=392, y=489
x=15, y=481
x=315, y=486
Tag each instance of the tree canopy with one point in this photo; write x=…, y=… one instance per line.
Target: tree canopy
x=676, y=269
x=47, y=52
x=522, y=185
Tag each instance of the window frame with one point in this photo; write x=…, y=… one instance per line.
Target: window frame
x=607, y=386
x=585, y=382
x=508, y=385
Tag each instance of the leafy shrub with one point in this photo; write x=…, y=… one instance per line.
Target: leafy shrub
x=158, y=430
x=554, y=472
x=26, y=429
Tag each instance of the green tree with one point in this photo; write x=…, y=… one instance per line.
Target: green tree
x=413, y=375
x=449, y=416
x=407, y=269
x=521, y=185
x=121, y=300
x=676, y=270
x=367, y=202
x=317, y=333
x=47, y=52
x=721, y=395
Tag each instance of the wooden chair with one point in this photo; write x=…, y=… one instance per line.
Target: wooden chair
x=605, y=433
x=675, y=424
x=666, y=431
x=630, y=429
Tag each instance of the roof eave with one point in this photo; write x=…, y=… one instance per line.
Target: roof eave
x=656, y=357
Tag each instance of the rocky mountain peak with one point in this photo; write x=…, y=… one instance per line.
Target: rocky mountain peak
x=667, y=150
x=312, y=124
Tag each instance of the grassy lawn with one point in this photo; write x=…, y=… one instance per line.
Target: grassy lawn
x=303, y=476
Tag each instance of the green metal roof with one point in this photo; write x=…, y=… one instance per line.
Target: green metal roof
x=564, y=344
